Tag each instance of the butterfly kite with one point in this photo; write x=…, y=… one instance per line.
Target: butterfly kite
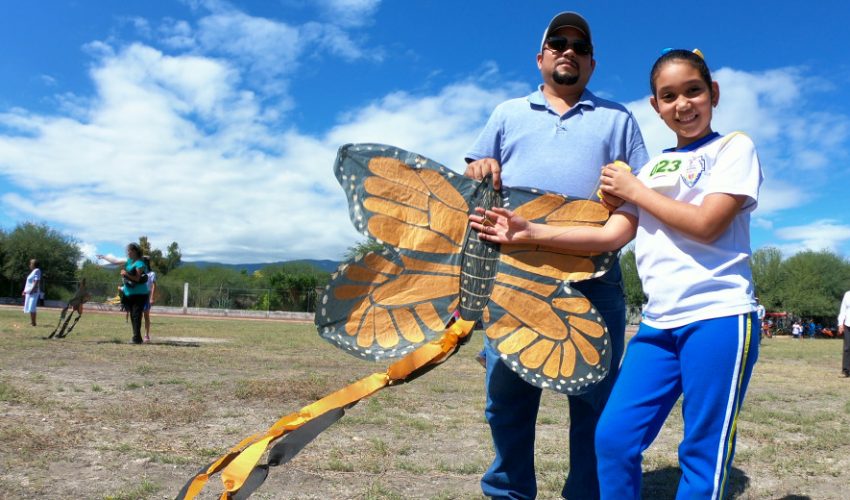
x=419, y=297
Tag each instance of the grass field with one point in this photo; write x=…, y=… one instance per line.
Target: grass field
x=91, y=416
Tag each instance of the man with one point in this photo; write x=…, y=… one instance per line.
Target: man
x=843, y=323
x=557, y=138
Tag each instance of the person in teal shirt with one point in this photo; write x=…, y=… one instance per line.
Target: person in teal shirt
x=135, y=288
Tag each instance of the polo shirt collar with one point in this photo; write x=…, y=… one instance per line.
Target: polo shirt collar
x=694, y=145
x=537, y=98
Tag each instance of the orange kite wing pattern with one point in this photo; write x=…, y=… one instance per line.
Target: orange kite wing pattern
x=433, y=268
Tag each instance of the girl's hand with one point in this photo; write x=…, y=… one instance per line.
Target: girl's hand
x=619, y=183
x=611, y=202
x=499, y=225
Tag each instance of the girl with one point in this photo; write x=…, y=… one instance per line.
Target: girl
x=151, y=292
x=690, y=210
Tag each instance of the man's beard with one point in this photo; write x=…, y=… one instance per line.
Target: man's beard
x=564, y=79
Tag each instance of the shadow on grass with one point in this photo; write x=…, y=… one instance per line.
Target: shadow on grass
x=175, y=343
x=661, y=484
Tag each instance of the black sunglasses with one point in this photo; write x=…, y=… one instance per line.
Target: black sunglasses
x=561, y=44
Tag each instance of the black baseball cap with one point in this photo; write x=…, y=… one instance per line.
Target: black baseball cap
x=564, y=19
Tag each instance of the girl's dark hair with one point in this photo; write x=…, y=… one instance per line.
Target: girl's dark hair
x=34, y=262
x=695, y=60
x=136, y=248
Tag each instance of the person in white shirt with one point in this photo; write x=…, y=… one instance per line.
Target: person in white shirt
x=761, y=312
x=796, y=330
x=843, y=323
x=32, y=291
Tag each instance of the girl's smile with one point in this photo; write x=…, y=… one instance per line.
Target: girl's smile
x=684, y=101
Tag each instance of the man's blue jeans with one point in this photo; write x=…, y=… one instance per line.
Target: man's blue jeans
x=512, y=406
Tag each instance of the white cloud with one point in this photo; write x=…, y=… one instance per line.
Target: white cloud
x=177, y=34
x=761, y=223
x=263, y=44
x=269, y=51
x=188, y=141
x=349, y=12
x=443, y=125
x=47, y=80
x=88, y=251
x=826, y=234
x=776, y=195
x=175, y=148
x=768, y=106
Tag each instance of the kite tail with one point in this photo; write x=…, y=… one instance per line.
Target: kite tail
x=240, y=473
x=61, y=317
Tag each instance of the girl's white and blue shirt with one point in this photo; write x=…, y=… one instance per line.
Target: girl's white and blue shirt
x=686, y=280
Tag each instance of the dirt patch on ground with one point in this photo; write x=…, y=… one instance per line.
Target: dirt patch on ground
x=92, y=416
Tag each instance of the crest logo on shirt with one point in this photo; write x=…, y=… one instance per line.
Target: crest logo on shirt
x=693, y=170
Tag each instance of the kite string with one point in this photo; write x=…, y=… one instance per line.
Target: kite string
x=488, y=223
x=594, y=191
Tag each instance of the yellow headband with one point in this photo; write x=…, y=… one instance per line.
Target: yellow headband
x=695, y=51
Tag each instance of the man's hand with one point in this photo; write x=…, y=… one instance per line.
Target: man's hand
x=479, y=169
x=841, y=329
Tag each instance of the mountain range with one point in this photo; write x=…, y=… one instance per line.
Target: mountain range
x=324, y=265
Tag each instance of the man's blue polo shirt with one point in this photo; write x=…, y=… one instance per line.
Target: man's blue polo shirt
x=563, y=153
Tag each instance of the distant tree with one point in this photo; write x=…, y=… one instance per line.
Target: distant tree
x=162, y=264
x=57, y=254
x=768, y=277
x=93, y=273
x=102, y=282
x=145, y=244
x=213, y=286
x=635, y=298
x=173, y=258
x=294, y=286
x=362, y=248
x=814, y=283
x=6, y=285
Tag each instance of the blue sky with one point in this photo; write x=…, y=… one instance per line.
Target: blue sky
x=215, y=124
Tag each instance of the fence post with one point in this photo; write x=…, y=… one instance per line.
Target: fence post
x=185, y=297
